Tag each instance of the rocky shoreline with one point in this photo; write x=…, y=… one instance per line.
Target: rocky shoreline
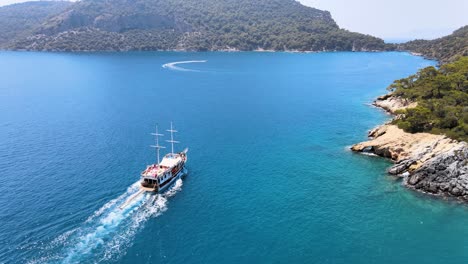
x=428, y=163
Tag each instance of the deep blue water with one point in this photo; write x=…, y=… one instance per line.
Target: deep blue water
x=271, y=179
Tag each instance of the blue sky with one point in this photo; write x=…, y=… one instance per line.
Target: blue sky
x=397, y=19
x=390, y=19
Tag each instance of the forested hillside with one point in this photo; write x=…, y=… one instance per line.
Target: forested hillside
x=191, y=25
x=19, y=20
x=442, y=96
x=445, y=49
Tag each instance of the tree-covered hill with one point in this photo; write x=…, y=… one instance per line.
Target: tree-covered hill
x=445, y=49
x=192, y=25
x=442, y=96
x=19, y=20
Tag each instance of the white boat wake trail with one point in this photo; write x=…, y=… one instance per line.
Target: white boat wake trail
x=173, y=65
x=109, y=231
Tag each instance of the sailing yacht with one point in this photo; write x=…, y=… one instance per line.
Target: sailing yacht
x=159, y=176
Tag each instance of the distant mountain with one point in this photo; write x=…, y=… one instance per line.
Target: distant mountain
x=19, y=20
x=445, y=49
x=121, y=25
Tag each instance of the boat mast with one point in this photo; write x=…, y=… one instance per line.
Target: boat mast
x=172, y=141
x=157, y=146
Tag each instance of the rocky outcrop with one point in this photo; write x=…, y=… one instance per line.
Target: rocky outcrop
x=392, y=142
x=429, y=163
x=446, y=173
x=393, y=103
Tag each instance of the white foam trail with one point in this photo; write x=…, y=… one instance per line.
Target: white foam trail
x=115, y=248
x=369, y=154
x=105, y=227
x=173, y=65
x=174, y=189
x=109, y=231
x=130, y=190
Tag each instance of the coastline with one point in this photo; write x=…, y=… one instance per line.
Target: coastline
x=428, y=163
x=228, y=49
x=199, y=51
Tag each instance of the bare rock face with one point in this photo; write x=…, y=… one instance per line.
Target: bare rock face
x=446, y=173
x=392, y=142
x=391, y=103
x=427, y=162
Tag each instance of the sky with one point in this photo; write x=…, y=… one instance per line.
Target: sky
x=9, y=2
x=390, y=19
x=397, y=19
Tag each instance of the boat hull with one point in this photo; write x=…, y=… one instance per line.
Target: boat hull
x=179, y=175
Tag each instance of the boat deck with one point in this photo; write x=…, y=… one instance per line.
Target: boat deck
x=154, y=170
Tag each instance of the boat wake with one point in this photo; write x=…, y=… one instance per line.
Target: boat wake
x=173, y=65
x=109, y=231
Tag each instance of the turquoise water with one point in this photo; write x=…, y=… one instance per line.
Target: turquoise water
x=271, y=179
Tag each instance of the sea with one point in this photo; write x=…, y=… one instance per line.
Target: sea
x=271, y=177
